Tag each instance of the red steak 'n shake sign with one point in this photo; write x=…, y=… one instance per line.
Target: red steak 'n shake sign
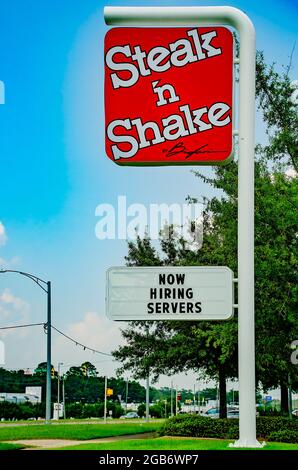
x=168, y=95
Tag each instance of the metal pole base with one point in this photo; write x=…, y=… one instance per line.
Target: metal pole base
x=247, y=443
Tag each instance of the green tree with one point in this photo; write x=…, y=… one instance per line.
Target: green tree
x=41, y=369
x=89, y=369
x=275, y=91
x=75, y=372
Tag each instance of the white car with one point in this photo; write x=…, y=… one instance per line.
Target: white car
x=130, y=415
x=231, y=413
x=214, y=413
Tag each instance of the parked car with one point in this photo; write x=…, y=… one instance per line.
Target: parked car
x=212, y=413
x=130, y=415
x=295, y=412
x=233, y=404
x=231, y=413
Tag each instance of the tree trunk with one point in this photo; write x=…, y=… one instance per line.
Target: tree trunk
x=284, y=399
x=222, y=392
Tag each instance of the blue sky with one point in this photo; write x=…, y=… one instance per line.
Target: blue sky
x=54, y=171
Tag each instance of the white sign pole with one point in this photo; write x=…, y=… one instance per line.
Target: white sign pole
x=202, y=16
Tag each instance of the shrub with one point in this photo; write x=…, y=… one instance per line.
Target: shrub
x=199, y=426
x=267, y=425
x=10, y=410
x=156, y=411
x=142, y=410
x=284, y=436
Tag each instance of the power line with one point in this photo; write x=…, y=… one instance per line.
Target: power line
x=77, y=343
x=21, y=326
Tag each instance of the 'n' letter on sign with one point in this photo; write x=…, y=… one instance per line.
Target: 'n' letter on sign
x=169, y=95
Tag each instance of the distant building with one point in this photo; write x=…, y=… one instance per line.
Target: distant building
x=31, y=395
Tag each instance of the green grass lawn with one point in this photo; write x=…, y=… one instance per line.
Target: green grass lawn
x=74, y=421
x=74, y=431
x=5, y=446
x=168, y=443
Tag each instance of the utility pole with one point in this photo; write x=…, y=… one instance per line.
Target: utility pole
x=172, y=411
x=147, y=382
x=105, y=405
x=194, y=398
x=63, y=397
x=176, y=402
x=147, y=398
x=290, y=398
x=58, y=392
x=126, y=395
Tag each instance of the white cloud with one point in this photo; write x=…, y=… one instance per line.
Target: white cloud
x=3, y=236
x=9, y=263
x=94, y=331
x=13, y=311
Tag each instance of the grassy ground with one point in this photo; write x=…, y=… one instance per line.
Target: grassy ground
x=168, y=443
x=5, y=446
x=73, y=431
x=74, y=421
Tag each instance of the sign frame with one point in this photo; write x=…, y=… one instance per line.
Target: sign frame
x=225, y=15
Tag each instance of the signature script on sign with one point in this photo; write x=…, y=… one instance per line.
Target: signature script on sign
x=180, y=148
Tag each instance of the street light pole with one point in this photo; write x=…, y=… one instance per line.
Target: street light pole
x=49, y=344
x=105, y=402
x=147, y=397
x=126, y=395
x=172, y=413
x=46, y=287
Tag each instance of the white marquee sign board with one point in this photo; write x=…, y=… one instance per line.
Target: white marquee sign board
x=169, y=293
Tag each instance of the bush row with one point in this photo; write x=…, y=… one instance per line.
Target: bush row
x=272, y=428
x=89, y=410
x=11, y=411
